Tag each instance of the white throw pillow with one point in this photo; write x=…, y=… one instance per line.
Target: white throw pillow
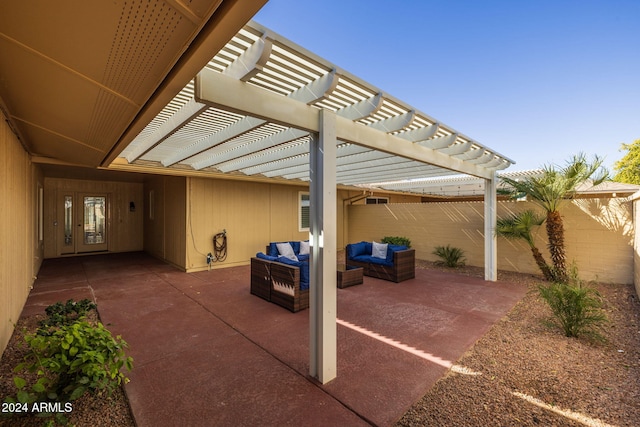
x=304, y=248
x=379, y=250
x=285, y=250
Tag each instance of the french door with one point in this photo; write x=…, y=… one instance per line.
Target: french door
x=85, y=221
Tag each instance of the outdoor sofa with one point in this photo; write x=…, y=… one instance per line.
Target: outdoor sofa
x=383, y=261
x=281, y=275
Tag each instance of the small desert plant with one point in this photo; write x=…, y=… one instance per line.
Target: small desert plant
x=397, y=240
x=576, y=307
x=520, y=226
x=450, y=256
x=71, y=360
x=69, y=356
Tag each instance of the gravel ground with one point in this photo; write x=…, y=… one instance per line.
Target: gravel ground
x=519, y=358
x=94, y=410
x=523, y=365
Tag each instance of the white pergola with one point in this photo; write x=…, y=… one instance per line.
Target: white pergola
x=450, y=187
x=266, y=108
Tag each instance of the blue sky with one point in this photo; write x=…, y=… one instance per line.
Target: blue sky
x=537, y=81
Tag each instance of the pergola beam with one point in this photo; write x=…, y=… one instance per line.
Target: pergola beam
x=470, y=154
x=440, y=142
x=172, y=125
x=420, y=134
x=317, y=89
x=224, y=92
x=457, y=148
x=379, y=175
x=244, y=125
x=268, y=163
x=394, y=124
x=251, y=62
x=362, y=109
x=236, y=158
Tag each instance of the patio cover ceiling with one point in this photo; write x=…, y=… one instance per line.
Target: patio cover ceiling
x=251, y=111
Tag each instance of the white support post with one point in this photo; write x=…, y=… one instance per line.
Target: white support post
x=490, y=238
x=322, y=286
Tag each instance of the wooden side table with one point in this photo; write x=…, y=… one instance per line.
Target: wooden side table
x=349, y=276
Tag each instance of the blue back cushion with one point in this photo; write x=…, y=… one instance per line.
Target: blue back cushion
x=368, y=248
x=391, y=249
x=355, y=249
x=273, y=249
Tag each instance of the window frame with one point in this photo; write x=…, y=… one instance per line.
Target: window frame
x=376, y=201
x=302, y=204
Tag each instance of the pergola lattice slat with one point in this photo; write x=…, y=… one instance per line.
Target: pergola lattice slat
x=263, y=59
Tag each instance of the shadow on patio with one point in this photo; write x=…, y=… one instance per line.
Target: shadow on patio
x=207, y=352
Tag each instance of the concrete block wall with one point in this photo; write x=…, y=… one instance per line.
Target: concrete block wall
x=599, y=233
x=636, y=244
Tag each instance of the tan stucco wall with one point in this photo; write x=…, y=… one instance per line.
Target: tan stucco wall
x=253, y=214
x=188, y=212
x=165, y=225
x=598, y=233
x=20, y=245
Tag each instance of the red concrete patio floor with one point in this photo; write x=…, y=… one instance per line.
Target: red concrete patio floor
x=207, y=352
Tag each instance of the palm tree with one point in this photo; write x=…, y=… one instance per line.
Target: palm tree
x=552, y=188
x=519, y=226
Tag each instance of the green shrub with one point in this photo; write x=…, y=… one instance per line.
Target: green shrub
x=397, y=240
x=70, y=361
x=576, y=308
x=450, y=256
x=60, y=314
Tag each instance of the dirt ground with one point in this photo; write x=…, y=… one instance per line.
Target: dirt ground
x=532, y=375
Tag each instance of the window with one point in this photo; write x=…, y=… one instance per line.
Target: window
x=68, y=220
x=303, y=211
x=377, y=200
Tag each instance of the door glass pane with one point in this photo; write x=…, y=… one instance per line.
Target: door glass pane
x=94, y=220
x=68, y=220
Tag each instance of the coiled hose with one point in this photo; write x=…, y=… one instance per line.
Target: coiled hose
x=220, y=246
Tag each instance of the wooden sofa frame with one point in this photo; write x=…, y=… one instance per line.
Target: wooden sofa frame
x=278, y=283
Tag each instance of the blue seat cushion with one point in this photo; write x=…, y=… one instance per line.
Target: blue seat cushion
x=361, y=258
x=380, y=261
x=372, y=260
